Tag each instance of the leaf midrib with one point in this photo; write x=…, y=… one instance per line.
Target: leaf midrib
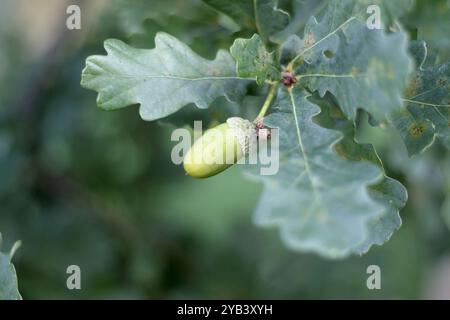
x=175, y=77
x=302, y=147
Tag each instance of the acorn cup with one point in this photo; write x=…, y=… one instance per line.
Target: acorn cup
x=219, y=148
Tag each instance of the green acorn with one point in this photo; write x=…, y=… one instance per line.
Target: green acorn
x=219, y=148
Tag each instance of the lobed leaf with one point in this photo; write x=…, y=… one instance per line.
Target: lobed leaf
x=427, y=112
x=162, y=80
x=362, y=68
x=389, y=10
x=321, y=201
x=390, y=193
x=253, y=60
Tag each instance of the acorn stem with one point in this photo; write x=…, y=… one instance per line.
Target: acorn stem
x=268, y=101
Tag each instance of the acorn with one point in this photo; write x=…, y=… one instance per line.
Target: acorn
x=219, y=148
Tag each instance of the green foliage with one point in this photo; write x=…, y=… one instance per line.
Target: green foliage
x=327, y=196
x=389, y=193
x=161, y=80
x=427, y=113
x=98, y=189
x=253, y=60
x=308, y=200
x=363, y=68
x=430, y=21
x=262, y=16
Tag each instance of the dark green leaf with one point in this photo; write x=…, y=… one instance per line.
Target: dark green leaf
x=431, y=19
x=261, y=16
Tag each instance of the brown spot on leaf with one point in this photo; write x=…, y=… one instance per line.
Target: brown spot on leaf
x=309, y=40
x=412, y=87
x=336, y=113
x=442, y=82
x=340, y=151
x=417, y=129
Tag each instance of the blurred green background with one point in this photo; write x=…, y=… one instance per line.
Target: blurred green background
x=97, y=189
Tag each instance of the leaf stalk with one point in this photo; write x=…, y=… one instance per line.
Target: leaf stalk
x=267, y=102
